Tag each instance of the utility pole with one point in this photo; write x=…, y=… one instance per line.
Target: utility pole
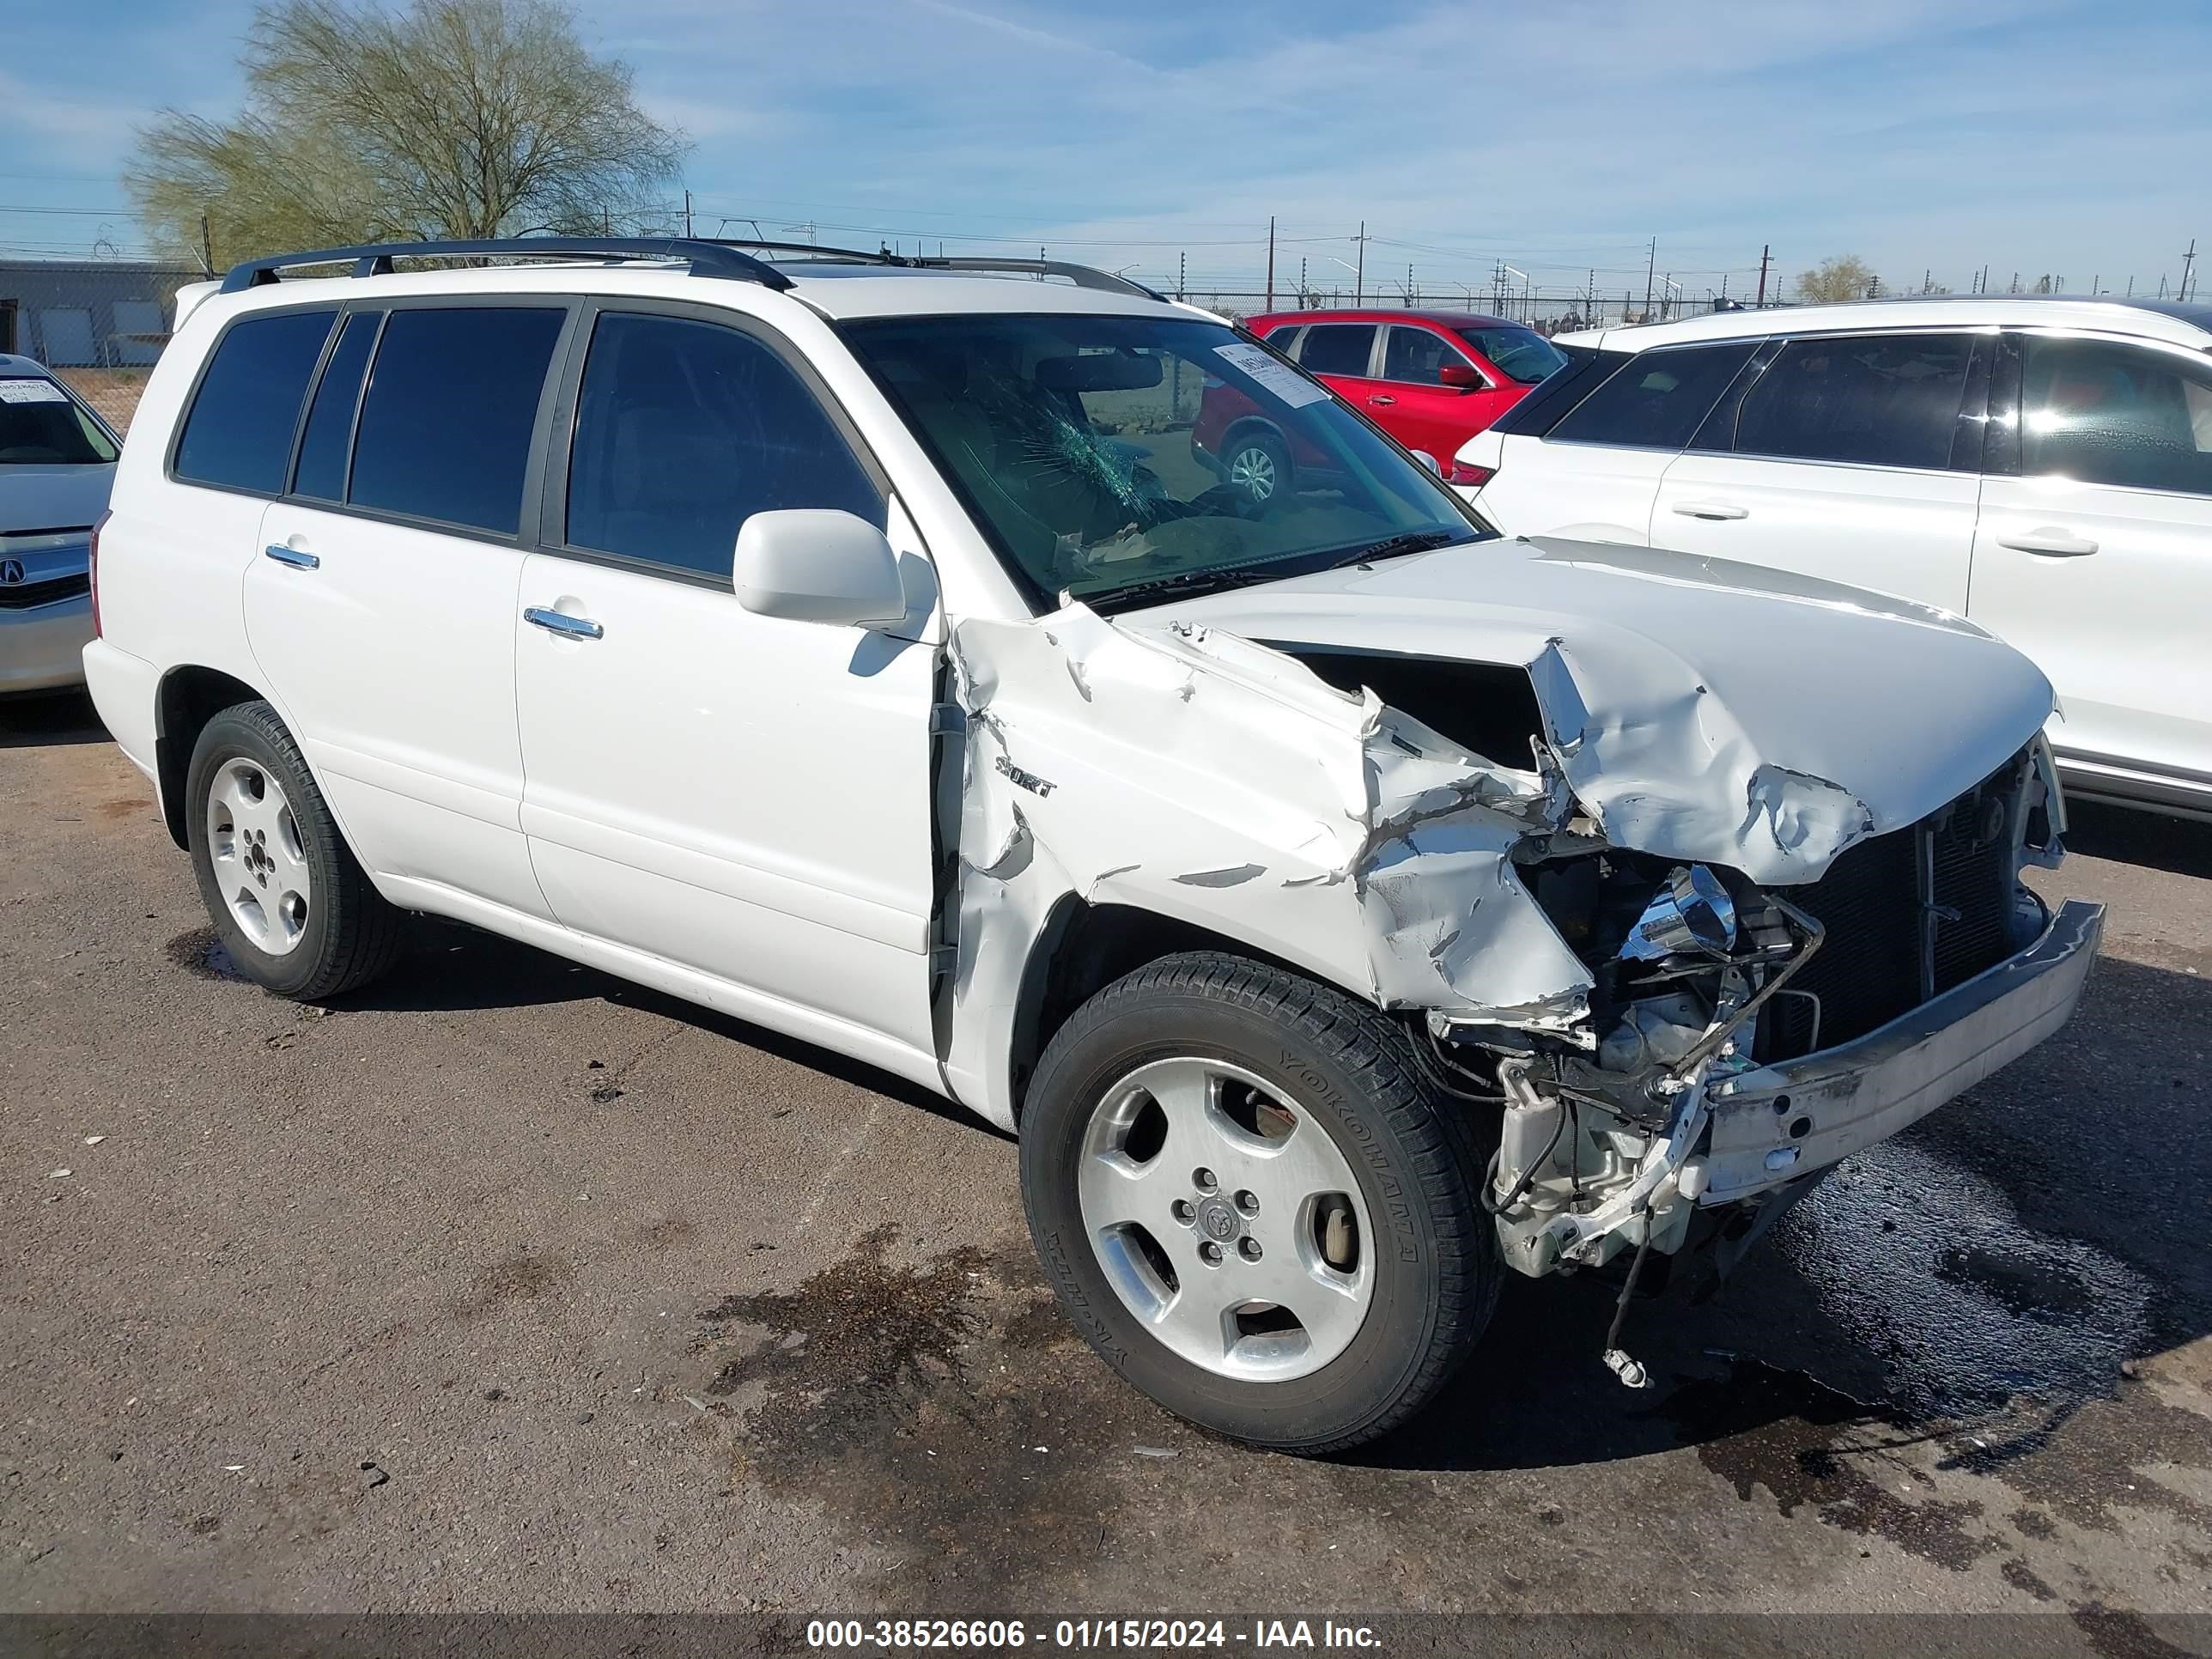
x=1271, y=262
x=1182, y=270
x=687, y=216
x=207, y=247
x=1359, y=271
x=2131, y=288
x=2187, y=260
x=1650, y=265
x=1765, y=253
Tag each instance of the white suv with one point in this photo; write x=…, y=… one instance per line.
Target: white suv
x=1343, y=904
x=2041, y=467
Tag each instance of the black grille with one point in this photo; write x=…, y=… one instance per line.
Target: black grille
x=1973, y=861
x=1870, y=968
x=21, y=596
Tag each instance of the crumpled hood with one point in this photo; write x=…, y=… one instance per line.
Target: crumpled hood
x=1699, y=708
x=51, y=497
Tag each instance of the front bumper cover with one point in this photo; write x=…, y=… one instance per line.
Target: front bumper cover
x=1779, y=1122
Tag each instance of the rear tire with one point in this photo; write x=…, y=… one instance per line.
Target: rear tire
x=1190, y=1294
x=290, y=903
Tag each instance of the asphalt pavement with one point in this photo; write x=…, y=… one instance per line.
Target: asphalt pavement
x=506, y=1285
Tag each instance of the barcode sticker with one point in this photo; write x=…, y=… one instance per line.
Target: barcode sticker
x=30, y=391
x=1286, y=382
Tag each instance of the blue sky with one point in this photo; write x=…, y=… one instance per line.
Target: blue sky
x=2061, y=135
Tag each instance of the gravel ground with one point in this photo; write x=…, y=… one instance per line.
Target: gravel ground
x=508, y=1286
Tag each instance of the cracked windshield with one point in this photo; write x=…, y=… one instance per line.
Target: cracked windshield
x=1114, y=458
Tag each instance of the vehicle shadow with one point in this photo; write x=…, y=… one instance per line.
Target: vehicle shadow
x=451, y=966
x=2182, y=846
x=41, y=720
x=1977, y=1280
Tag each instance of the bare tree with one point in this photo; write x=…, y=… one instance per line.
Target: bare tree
x=1837, y=277
x=452, y=118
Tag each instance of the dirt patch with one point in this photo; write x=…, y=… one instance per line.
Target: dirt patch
x=928, y=1402
x=125, y=807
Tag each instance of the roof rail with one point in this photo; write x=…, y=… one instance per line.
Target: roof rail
x=1081, y=275
x=706, y=258
x=833, y=255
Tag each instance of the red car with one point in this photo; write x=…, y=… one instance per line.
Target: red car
x=1430, y=378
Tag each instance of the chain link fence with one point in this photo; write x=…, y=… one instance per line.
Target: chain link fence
x=1548, y=311
x=100, y=325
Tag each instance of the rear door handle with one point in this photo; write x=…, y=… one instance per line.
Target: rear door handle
x=2050, y=541
x=568, y=628
x=1712, y=510
x=1382, y=399
x=293, y=556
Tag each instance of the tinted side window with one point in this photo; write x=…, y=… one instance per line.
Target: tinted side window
x=1415, y=354
x=2105, y=413
x=451, y=401
x=1878, y=400
x=328, y=439
x=684, y=430
x=1657, y=400
x=1337, y=348
x=240, y=430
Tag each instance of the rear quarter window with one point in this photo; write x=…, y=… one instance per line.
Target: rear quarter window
x=238, y=433
x=1658, y=400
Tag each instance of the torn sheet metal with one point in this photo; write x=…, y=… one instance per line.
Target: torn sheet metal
x=1673, y=688
x=1196, y=774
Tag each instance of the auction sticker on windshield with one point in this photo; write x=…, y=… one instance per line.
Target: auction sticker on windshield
x=31, y=392
x=1286, y=383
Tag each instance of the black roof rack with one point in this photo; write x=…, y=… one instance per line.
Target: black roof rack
x=831, y=255
x=1081, y=275
x=706, y=258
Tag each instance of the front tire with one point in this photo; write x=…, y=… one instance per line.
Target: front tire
x=1257, y=465
x=291, y=905
x=1249, y=1200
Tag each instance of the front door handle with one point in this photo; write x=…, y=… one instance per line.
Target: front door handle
x=2050, y=541
x=568, y=628
x=293, y=556
x=1381, y=400
x=1712, y=510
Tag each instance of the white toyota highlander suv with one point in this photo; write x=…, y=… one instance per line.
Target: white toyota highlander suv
x=1342, y=904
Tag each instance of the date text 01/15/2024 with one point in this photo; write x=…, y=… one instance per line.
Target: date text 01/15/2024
x=899, y=1635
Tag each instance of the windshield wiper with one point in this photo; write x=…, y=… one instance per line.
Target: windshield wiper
x=1390, y=547
x=1183, y=582
x=1189, y=582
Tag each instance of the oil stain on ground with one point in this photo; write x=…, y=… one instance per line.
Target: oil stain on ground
x=940, y=1404
x=520, y=1278
x=199, y=952
x=2002, y=1350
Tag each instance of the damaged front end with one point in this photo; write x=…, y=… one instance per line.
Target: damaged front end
x=1673, y=973
x=1744, y=1038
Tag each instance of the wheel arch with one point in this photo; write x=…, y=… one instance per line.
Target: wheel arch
x=189, y=696
x=1082, y=948
x=1246, y=425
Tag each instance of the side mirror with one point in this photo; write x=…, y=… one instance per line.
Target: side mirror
x=818, y=564
x=1464, y=376
x=1436, y=468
